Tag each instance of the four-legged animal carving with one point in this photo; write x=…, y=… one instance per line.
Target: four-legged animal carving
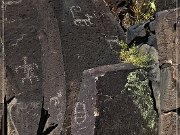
x=76, y=10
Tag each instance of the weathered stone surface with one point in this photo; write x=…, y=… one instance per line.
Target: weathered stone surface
x=169, y=124
x=85, y=111
x=23, y=66
x=34, y=66
x=101, y=107
x=169, y=88
x=166, y=28
x=89, y=37
x=166, y=4
x=52, y=66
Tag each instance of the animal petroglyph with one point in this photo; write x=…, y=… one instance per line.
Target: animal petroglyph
x=56, y=99
x=80, y=113
x=76, y=11
x=28, y=70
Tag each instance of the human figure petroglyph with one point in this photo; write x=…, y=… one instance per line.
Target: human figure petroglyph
x=80, y=113
x=76, y=11
x=28, y=70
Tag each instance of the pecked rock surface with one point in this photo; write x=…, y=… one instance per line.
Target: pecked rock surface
x=34, y=66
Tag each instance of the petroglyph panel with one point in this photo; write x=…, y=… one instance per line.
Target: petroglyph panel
x=83, y=25
x=86, y=112
x=23, y=66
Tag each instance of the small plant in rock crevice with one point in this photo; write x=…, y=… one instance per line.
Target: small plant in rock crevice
x=137, y=82
x=132, y=55
x=142, y=10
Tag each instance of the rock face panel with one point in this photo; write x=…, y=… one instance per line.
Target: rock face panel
x=23, y=66
x=103, y=107
x=34, y=66
x=167, y=35
x=89, y=38
x=167, y=28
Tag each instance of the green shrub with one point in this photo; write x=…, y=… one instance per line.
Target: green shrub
x=133, y=56
x=138, y=85
x=143, y=10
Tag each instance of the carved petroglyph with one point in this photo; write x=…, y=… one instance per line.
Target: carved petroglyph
x=28, y=70
x=80, y=113
x=56, y=99
x=8, y=3
x=112, y=40
x=5, y=20
x=76, y=11
x=18, y=40
x=10, y=106
x=22, y=107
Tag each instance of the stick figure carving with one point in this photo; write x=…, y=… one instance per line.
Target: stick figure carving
x=28, y=70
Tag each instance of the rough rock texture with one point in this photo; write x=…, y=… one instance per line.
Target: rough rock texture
x=167, y=35
x=167, y=27
x=169, y=49
x=34, y=66
x=169, y=124
x=169, y=88
x=166, y=4
x=135, y=31
x=89, y=38
x=102, y=107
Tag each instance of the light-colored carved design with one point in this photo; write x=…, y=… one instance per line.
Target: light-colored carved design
x=76, y=11
x=28, y=70
x=80, y=113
